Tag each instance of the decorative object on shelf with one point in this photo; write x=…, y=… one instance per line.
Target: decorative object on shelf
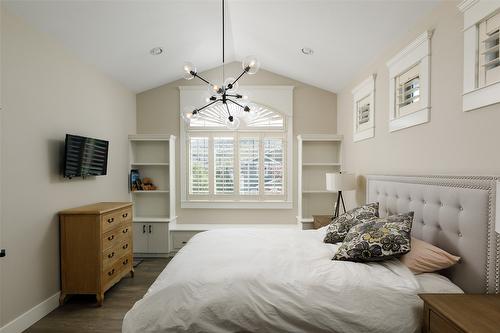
x=338, y=182
x=134, y=177
x=227, y=91
x=147, y=184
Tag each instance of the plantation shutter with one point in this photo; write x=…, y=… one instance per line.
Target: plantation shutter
x=489, y=49
x=198, y=163
x=249, y=166
x=273, y=166
x=224, y=165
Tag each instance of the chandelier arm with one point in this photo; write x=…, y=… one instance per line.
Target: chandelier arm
x=236, y=96
x=227, y=107
x=239, y=77
x=241, y=106
x=206, y=106
x=199, y=77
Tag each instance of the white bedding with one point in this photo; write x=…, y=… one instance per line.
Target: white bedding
x=270, y=280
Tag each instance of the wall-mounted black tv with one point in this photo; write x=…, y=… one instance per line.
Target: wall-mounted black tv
x=85, y=156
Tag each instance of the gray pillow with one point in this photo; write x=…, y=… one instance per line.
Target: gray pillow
x=378, y=239
x=339, y=226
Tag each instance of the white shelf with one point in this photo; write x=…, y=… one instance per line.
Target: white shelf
x=151, y=219
x=321, y=164
x=150, y=192
x=320, y=137
x=149, y=137
x=317, y=192
x=318, y=154
x=149, y=164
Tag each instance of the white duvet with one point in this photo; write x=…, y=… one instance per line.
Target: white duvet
x=275, y=280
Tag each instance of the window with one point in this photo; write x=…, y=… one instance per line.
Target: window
x=198, y=177
x=273, y=166
x=408, y=91
x=489, y=60
x=224, y=165
x=364, y=109
x=481, y=53
x=247, y=168
x=409, y=85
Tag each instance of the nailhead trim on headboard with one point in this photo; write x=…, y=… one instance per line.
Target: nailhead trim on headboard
x=487, y=183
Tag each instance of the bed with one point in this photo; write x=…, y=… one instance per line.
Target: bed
x=276, y=280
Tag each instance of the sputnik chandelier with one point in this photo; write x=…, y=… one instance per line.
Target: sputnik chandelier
x=225, y=93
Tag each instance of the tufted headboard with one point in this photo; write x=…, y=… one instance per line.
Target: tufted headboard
x=454, y=213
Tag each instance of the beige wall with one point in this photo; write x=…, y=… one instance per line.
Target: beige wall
x=314, y=112
x=453, y=142
x=47, y=92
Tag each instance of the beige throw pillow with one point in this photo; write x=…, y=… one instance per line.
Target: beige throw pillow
x=427, y=258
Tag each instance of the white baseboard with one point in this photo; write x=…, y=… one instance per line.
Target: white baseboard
x=31, y=316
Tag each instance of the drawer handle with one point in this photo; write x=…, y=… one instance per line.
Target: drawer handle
x=110, y=238
x=125, y=230
x=143, y=228
x=150, y=228
x=111, y=219
x=111, y=255
x=125, y=262
x=125, y=246
x=125, y=215
x=111, y=272
x=184, y=242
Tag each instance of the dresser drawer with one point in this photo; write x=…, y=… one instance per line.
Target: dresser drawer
x=180, y=238
x=110, y=256
x=114, y=219
x=116, y=270
x=438, y=324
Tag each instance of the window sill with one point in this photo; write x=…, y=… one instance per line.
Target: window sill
x=481, y=97
x=205, y=204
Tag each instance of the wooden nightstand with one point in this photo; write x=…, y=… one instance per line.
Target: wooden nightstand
x=454, y=313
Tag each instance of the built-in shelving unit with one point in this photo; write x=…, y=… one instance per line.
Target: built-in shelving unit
x=154, y=156
x=318, y=154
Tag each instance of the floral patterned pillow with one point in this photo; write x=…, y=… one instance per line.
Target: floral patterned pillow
x=378, y=239
x=339, y=226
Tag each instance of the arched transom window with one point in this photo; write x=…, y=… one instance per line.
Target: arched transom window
x=245, y=168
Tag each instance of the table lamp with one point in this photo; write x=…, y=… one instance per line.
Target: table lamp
x=338, y=182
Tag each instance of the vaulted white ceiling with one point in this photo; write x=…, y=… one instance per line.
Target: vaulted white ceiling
x=116, y=36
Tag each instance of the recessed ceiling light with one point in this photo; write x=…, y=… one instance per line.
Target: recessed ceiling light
x=156, y=51
x=307, y=51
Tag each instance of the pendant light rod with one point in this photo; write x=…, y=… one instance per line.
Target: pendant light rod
x=223, y=26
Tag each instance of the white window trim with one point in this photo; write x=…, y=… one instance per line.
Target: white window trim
x=280, y=98
x=417, y=52
x=363, y=90
x=474, y=98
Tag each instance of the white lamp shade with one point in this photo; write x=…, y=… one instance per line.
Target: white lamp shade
x=340, y=182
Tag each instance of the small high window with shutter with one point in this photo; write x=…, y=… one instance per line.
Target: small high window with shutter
x=409, y=84
x=489, y=59
x=481, y=86
x=364, y=109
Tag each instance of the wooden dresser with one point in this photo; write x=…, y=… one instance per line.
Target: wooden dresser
x=96, y=248
x=459, y=313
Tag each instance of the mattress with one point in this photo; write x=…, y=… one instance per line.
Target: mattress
x=275, y=280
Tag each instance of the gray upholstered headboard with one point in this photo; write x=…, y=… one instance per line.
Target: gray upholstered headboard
x=455, y=213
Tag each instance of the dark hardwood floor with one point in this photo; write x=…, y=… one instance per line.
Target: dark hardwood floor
x=81, y=313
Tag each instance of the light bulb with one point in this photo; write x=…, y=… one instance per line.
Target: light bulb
x=229, y=82
x=252, y=111
x=190, y=113
x=215, y=89
x=232, y=122
x=250, y=65
x=189, y=69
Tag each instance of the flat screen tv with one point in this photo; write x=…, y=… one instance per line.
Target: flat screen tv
x=85, y=156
